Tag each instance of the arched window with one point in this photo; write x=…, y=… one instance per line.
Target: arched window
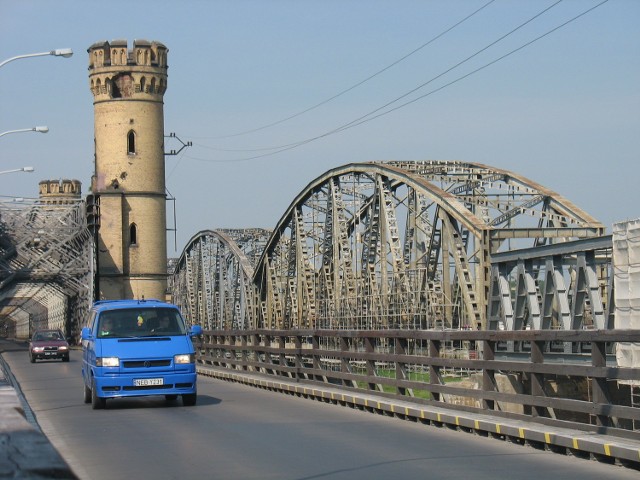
x=133, y=234
x=131, y=142
x=143, y=81
x=152, y=88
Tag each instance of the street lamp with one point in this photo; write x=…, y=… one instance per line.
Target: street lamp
x=32, y=129
x=23, y=169
x=61, y=52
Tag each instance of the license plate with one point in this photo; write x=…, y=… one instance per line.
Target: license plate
x=145, y=382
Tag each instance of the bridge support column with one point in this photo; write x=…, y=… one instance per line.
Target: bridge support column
x=599, y=385
x=488, y=376
x=537, y=379
x=434, y=370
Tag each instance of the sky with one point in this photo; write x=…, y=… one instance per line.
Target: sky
x=246, y=76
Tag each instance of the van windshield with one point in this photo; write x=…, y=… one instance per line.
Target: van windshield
x=140, y=322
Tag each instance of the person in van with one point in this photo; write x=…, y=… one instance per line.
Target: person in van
x=163, y=324
x=106, y=327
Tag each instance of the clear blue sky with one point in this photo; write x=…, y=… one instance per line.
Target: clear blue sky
x=564, y=111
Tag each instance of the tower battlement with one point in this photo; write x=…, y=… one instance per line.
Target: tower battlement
x=115, y=71
x=60, y=192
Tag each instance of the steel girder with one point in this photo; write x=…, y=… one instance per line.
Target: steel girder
x=403, y=244
x=46, y=258
x=567, y=286
x=212, y=280
x=376, y=245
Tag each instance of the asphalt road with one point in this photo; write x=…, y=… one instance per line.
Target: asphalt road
x=239, y=432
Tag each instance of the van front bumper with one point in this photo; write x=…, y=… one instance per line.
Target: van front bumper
x=133, y=385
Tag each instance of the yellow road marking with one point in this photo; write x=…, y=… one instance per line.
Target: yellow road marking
x=575, y=444
x=547, y=438
x=521, y=430
x=607, y=449
x=476, y=424
x=498, y=428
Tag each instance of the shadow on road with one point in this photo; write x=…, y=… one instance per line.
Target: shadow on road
x=157, y=402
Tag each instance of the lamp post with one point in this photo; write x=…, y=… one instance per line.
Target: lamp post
x=23, y=169
x=32, y=129
x=61, y=52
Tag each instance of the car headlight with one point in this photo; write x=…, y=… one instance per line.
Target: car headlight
x=63, y=348
x=184, y=358
x=107, y=362
x=38, y=349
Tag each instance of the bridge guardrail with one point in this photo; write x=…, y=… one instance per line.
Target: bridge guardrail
x=581, y=391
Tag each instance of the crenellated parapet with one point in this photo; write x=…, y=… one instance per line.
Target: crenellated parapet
x=115, y=71
x=60, y=192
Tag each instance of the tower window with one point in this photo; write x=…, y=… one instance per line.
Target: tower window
x=133, y=235
x=131, y=142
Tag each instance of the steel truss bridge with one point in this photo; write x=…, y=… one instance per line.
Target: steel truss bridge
x=46, y=274
x=405, y=245
x=385, y=278
x=382, y=245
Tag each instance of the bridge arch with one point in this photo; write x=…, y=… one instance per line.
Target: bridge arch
x=212, y=279
x=403, y=244
x=377, y=245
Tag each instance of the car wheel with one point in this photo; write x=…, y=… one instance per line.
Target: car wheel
x=189, y=399
x=170, y=398
x=87, y=394
x=65, y=359
x=97, y=402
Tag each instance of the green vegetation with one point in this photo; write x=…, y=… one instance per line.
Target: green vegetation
x=421, y=377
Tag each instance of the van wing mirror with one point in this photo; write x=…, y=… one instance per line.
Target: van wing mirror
x=195, y=331
x=86, y=333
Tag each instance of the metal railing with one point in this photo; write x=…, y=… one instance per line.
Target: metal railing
x=461, y=370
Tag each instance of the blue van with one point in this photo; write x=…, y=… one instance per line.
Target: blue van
x=137, y=347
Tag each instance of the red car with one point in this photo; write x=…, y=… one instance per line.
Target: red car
x=48, y=344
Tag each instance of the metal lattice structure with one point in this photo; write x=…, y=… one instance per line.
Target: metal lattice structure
x=213, y=279
x=387, y=245
x=567, y=286
x=46, y=266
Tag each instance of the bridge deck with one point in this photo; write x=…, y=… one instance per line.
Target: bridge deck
x=600, y=447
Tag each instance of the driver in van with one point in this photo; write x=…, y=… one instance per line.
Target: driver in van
x=163, y=324
x=106, y=327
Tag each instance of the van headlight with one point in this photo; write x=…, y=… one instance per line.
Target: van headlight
x=107, y=362
x=184, y=358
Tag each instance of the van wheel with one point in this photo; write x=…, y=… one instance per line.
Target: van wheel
x=189, y=399
x=97, y=402
x=87, y=394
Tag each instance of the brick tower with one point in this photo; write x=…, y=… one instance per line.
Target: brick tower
x=129, y=181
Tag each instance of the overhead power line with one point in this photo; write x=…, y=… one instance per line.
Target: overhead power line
x=352, y=87
x=370, y=116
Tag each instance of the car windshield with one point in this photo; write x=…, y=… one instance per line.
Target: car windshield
x=44, y=336
x=140, y=322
